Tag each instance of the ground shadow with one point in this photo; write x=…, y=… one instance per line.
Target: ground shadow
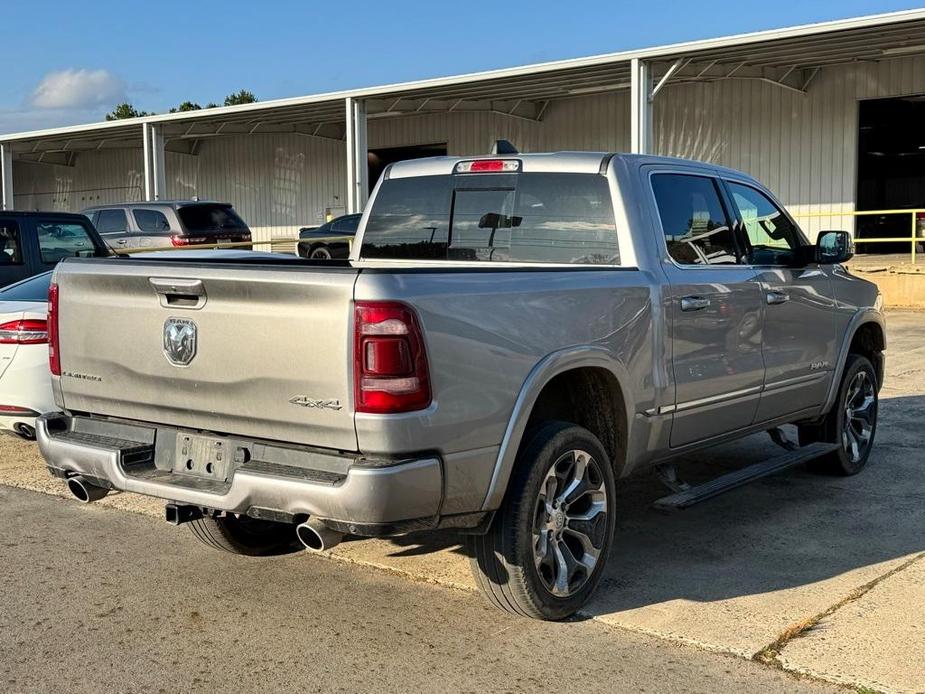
x=791, y=530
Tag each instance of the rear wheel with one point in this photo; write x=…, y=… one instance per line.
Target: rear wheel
x=241, y=534
x=321, y=252
x=852, y=421
x=545, y=551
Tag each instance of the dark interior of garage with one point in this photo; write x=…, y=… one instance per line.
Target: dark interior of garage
x=891, y=168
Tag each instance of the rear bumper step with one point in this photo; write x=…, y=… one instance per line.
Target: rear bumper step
x=125, y=459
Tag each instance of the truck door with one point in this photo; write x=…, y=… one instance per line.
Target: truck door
x=799, y=315
x=714, y=306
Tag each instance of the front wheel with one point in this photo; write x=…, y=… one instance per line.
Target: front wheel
x=546, y=549
x=240, y=534
x=852, y=421
x=321, y=252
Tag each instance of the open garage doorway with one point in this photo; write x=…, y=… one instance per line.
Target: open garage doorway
x=382, y=157
x=891, y=170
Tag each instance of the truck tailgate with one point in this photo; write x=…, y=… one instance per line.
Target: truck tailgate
x=272, y=346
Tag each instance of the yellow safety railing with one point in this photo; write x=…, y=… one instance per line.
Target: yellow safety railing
x=281, y=245
x=916, y=227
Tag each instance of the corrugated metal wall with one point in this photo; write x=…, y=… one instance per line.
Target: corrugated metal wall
x=802, y=146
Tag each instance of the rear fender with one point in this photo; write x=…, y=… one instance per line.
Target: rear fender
x=545, y=370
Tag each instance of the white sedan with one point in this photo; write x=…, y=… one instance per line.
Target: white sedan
x=25, y=381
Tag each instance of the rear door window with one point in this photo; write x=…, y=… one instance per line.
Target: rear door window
x=200, y=218
x=112, y=221
x=151, y=220
x=696, y=227
x=59, y=240
x=532, y=217
x=10, y=243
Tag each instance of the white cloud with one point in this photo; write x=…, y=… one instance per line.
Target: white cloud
x=78, y=89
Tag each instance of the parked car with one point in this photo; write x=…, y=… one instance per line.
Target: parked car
x=511, y=336
x=322, y=242
x=25, y=382
x=34, y=242
x=166, y=223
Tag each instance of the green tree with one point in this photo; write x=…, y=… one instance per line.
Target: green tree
x=126, y=110
x=186, y=106
x=241, y=97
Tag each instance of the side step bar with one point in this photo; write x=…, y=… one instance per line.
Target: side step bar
x=701, y=492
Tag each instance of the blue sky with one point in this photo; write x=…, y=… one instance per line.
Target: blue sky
x=71, y=62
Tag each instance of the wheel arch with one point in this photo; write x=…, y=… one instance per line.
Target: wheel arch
x=592, y=369
x=866, y=335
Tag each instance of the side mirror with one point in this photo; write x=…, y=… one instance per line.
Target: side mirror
x=834, y=247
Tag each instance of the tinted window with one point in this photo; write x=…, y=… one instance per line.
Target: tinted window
x=151, y=220
x=32, y=289
x=198, y=218
x=534, y=217
x=696, y=228
x=111, y=221
x=347, y=225
x=59, y=240
x=770, y=237
x=10, y=243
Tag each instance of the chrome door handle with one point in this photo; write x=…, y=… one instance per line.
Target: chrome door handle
x=777, y=297
x=121, y=241
x=694, y=303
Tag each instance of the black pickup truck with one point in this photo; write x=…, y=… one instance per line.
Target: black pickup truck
x=34, y=242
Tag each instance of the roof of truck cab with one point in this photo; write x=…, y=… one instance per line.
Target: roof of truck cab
x=549, y=162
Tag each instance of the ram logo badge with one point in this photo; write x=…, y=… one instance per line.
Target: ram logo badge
x=179, y=341
x=305, y=401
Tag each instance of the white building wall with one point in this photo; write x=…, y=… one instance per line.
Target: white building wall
x=801, y=146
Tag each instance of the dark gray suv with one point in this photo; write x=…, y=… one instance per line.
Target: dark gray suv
x=177, y=223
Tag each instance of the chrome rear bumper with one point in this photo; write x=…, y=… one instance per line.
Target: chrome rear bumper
x=363, y=494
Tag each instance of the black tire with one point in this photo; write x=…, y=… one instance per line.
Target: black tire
x=834, y=428
x=251, y=537
x=320, y=252
x=503, y=560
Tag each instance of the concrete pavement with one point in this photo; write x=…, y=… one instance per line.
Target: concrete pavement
x=813, y=574
x=97, y=600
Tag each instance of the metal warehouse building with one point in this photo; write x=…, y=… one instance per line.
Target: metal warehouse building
x=828, y=115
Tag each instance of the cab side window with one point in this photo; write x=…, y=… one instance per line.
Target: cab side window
x=696, y=227
x=769, y=237
x=111, y=221
x=10, y=244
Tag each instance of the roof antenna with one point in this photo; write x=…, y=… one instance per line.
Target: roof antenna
x=503, y=147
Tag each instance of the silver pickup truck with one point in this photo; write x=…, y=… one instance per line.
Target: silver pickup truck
x=510, y=336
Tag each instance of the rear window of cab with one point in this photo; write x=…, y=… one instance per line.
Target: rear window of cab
x=559, y=218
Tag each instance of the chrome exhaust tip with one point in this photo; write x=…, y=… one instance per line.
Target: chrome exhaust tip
x=25, y=431
x=85, y=492
x=316, y=536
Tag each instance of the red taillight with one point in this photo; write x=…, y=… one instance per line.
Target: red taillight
x=17, y=410
x=24, y=332
x=389, y=361
x=188, y=240
x=54, y=353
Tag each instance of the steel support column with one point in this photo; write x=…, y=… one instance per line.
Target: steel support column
x=155, y=174
x=6, y=173
x=357, y=156
x=640, y=107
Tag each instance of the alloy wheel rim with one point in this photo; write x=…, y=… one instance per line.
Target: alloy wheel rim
x=569, y=523
x=859, y=414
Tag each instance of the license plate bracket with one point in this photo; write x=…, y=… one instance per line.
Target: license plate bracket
x=203, y=456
